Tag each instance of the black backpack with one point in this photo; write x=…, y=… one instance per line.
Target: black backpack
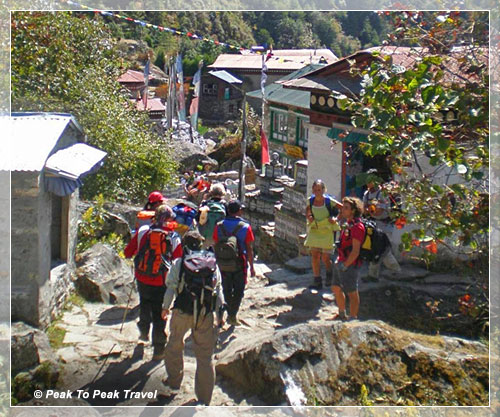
x=227, y=250
x=198, y=279
x=333, y=211
x=375, y=242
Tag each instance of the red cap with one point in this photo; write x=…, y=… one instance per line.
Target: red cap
x=155, y=197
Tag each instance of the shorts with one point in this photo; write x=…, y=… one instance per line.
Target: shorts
x=347, y=280
x=322, y=250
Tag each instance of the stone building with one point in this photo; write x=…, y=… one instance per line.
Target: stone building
x=221, y=97
x=48, y=160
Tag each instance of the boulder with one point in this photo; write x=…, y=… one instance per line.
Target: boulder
x=103, y=276
x=117, y=218
x=311, y=364
x=29, y=347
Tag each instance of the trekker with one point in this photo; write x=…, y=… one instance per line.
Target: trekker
x=195, y=282
x=211, y=212
x=347, y=264
x=377, y=207
x=321, y=223
x=145, y=216
x=154, y=248
x=196, y=190
x=233, y=239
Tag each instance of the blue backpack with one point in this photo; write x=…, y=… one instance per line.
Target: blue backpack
x=333, y=211
x=184, y=214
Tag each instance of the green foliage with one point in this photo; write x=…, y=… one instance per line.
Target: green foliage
x=90, y=229
x=66, y=62
x=440, y=161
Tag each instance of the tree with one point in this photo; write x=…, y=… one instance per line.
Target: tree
x=434, y=113
x=66, y=62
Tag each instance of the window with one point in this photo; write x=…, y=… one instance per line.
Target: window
x=279, y=126
x=210, y=89
x=302, y=133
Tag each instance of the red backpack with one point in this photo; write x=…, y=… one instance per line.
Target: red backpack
x=151, y=260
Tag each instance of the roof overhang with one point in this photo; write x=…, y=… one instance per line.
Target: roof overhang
x=65, y=169
x=225, y=76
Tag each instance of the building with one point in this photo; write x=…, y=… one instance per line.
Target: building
x=48, y=160
x=221, y=97
x=154, y=106
x=247, y=67
x=334, y=155
x=286, y=114
x=133, y=81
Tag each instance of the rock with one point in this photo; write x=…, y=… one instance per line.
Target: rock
x=43, y=377
x=29, y=347
x=300, y=265
x=328, y=364
x=118, y=218
x=103, y=276
x=73, y=407
x=448, y=279
x=284, y=275
x=183, y=133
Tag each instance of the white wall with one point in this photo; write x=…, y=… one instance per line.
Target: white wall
x=324, y=162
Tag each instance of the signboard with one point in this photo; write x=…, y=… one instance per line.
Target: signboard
x=294, y=151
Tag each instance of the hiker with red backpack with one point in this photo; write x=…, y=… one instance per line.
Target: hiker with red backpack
x=194, y=281
x=154, y=248
x=321, y=212
x=348, y=262
x=233, y=239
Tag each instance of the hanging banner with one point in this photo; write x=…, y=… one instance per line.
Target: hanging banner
x=181, y=103
x=146, y=85
x=195, y=102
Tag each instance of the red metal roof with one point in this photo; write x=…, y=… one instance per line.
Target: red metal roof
x=154, y=104
x=132, y=76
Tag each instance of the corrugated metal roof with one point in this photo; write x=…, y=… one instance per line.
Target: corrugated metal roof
x=31, y=138
x=287, y=59
x=225, y=76
x=277, y=94
x=74, y=161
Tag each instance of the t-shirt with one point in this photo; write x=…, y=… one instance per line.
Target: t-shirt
x=355, y=231
x=244, y=236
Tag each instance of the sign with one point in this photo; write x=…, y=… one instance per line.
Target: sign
x=294, y=151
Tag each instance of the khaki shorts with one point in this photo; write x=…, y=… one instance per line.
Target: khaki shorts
x=322, y=250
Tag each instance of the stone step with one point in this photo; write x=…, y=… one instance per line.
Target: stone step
x=299, y=265
x=283, y=275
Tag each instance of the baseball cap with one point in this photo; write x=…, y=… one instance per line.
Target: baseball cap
x=155, y=197
x=234, y=206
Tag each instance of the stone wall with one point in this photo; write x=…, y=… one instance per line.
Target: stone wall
x=25, y=249
x=38, y=293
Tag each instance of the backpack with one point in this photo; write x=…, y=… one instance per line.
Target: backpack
x=216, y=213
x=227, y=249
x=184, y=214
x=375, y=242
x=144, y=217
x=151, y=259
x=332, y=211
x=196, y=292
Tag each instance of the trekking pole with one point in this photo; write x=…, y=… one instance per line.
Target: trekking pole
x=104, y=363
x=128, y=300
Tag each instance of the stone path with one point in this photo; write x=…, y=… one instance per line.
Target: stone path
x=99, y=355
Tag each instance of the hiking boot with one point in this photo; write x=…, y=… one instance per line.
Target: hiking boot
x=158, y=353
x=340, y=316
x=144, y=336
x=233, y=321
x=317, y=284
